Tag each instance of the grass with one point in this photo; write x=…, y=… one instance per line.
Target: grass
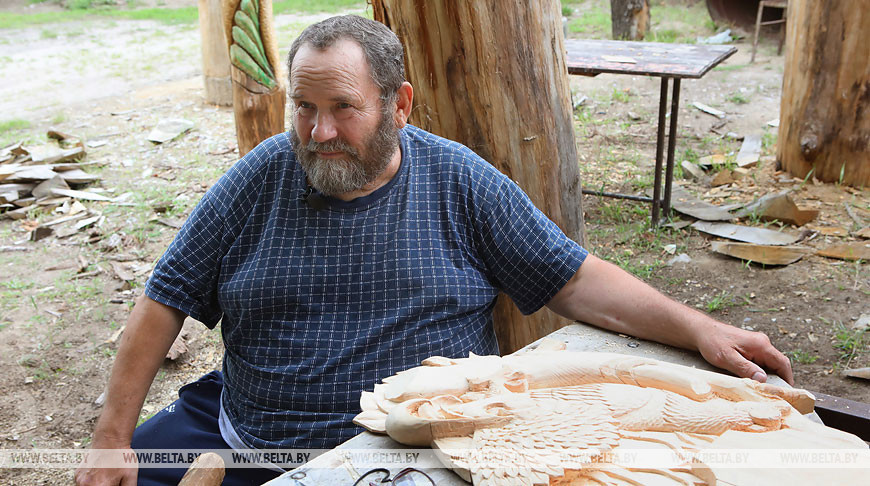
x=801, y=356
x=89, y=9
x=719, y=302
x=849, y=342
x=14, y=124
x=738, y=98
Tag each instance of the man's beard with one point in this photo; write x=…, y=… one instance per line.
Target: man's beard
x=339, y=176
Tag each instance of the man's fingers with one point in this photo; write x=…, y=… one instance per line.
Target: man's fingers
x=742, y=367
x=777, y=362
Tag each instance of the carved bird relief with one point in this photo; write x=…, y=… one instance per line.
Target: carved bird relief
x=557, y=417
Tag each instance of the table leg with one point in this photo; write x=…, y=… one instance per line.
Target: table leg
x=672, y=145
x=660, y=138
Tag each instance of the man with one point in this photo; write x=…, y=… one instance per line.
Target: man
x=347, y=250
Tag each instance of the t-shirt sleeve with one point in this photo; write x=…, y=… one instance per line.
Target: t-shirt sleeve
x=186, y=275
x=526, y=254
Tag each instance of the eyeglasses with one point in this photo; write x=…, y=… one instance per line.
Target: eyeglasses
x=406, y=477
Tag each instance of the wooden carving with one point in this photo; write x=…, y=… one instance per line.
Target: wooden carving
x=258, y=86
x=542, y=407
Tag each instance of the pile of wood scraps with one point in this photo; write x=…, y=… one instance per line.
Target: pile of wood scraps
x=48, y=178
x=776, y=244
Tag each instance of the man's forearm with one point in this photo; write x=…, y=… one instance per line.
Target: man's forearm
x=604, y=295
x=151, y=329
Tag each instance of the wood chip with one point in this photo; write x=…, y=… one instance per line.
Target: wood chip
x=122, y=272
x=863, y=232
x=779, y=207
x=723, y=177
x=766, y=254
x=115, y=335
x=684, y=202
x=858, y=373
x=709, y=161
x=45, y=188
x=87, y=196
x=748, y=234
x=35, y=173
x=179, y=346
x=709, y=110
x=78, y=176
x=750, y=151
x=858, y=250
x=831, y=231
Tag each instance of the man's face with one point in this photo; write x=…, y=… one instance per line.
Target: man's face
x=342, y=136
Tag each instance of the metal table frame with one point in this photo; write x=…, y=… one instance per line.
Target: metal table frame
x=667, y=61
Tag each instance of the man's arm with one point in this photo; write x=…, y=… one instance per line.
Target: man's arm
x=151, y=329
x=604, y=295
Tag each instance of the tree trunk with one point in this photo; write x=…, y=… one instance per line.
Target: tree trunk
x=259, y=94
x=824, y=122
x=492, y=76
x=629, y=19
x=215, y=61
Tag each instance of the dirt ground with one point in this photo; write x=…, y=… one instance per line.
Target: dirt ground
x=63, y=306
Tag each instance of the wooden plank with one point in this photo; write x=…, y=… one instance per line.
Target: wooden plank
x=844, y=414
x=587, y=56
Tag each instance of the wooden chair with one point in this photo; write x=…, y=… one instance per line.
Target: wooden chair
x=783, y=4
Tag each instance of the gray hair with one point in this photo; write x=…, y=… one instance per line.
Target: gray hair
x=382, y=48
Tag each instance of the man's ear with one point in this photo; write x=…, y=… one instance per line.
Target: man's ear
x=404, y=98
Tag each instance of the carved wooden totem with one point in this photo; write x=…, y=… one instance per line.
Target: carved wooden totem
x=258, y=83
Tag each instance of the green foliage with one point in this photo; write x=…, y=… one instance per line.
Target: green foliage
x=730, y=67
x=82, y=9
x=801, y=356
x=88, y=4
x=719, y=302
x=849, y=341
x=593, y=22
x=738, y=98
x=567, y=11
x=15, y=284
x=13, y=125
x=620, y=95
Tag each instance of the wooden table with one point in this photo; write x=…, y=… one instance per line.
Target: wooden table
x=667, y=61
x=337, y=467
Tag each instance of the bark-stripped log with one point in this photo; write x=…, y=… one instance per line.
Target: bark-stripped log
x=215, y=61
x=824, y=122
x=629, y=19
x=492, y=76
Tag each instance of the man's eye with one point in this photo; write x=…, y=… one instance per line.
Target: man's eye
x=344, y=106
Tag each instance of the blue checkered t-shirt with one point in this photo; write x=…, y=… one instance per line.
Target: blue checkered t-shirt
x=319, y=305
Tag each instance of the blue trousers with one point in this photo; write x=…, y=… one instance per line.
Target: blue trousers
x=191, y=422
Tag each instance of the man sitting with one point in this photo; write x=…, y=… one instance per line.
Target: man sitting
x=350, y=248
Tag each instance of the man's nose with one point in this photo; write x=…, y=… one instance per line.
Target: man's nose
x=324, y=128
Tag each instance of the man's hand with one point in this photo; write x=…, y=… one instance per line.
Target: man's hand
x=604, y=295
x=151, y=329
x=107, y=467
x=741, y=352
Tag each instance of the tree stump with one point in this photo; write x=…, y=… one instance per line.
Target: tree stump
x=629, y=19
x=215, y=60
x=824, y=123
x=492, y=75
